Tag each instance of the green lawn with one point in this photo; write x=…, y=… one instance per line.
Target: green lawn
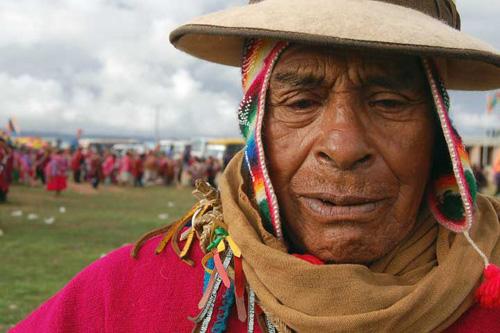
x=37, y=258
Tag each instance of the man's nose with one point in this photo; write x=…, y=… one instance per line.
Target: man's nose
x=343, y=141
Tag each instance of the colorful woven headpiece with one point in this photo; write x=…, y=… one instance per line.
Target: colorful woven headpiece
x=452, y=189
x=259, y=58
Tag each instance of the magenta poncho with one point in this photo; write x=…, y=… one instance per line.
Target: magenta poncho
x=155, y=293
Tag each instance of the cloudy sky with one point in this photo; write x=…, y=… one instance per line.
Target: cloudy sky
x=106, y=66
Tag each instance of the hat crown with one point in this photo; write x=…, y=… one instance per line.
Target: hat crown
x=443, y=10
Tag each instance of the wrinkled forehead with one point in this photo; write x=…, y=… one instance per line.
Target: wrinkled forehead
x=328, y=64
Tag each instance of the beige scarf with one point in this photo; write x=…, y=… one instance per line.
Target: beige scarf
x=424, y=285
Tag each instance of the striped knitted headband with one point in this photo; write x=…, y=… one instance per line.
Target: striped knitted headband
x=451, y=191
x=259, y=58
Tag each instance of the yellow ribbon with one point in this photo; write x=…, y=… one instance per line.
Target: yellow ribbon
x=233, y=246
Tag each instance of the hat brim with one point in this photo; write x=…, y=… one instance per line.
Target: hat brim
x=364, y=24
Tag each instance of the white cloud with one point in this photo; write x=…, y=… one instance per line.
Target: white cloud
x=183, y=84
x=480, y=19
x=30, y=97
x=107, y=66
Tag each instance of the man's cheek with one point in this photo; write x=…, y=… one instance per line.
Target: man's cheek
x=279, y=135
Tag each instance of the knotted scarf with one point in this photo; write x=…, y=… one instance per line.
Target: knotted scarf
x=423, y=285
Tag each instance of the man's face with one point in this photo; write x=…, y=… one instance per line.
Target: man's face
x=349, y=141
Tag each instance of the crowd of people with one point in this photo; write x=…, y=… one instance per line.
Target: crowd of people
x=51, y=167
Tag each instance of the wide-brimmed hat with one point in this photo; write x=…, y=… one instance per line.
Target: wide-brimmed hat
x=423, y=27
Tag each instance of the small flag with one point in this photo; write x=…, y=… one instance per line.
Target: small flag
x=492, y=101
x=13, y=127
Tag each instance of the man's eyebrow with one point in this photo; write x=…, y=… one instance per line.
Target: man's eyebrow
x=391, y=82
x=299, y=80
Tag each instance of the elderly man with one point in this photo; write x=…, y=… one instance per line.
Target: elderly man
x=352, y=207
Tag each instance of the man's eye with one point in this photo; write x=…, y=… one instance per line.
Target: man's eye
x=303, y=104
x=387, y=104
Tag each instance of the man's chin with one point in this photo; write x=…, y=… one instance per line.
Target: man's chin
x=353, y=250
x=359, y=259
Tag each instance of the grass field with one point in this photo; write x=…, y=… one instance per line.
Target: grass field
x=38, y=257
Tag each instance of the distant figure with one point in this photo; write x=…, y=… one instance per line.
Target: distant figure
x=138, y=170
x=108, y=168
x=481, y=180
x=125, y=169
x=162, y=167
x=185, y=166
x=151, y=166
x=56, y=173
x=178, y=171
x=25, y=166
x=186, y=156
x=6, y=164
x=171, y=152
x=95, y=168
x=42, y=159
x=496, y=171
x=76, y=165
x=170, y=171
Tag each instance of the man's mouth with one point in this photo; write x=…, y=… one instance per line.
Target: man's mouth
x=335, y=208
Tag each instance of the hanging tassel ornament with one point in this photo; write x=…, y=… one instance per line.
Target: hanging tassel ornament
x=200, y=221
x=488, y=293
x=224, y=312
x=205, y=223
x=203, y=319
x=221, y=269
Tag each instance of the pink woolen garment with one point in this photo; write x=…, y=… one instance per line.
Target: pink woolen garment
x=156, y=294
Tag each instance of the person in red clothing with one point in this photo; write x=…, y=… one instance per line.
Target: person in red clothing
x=126, y=169
x=109, y=168
x=6, y=166
x=56, y=172
x=353, y=206
x=95, y=168
x=77, y=162
x=138, y=169
x=42, y=159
